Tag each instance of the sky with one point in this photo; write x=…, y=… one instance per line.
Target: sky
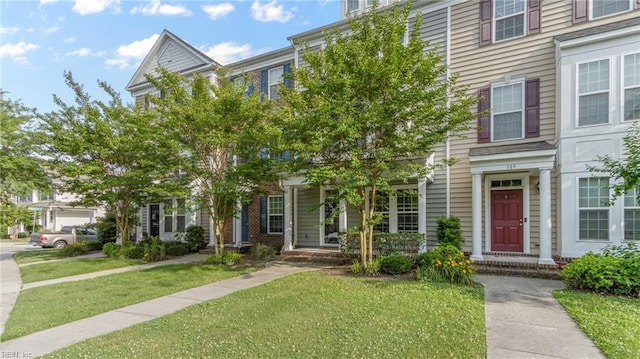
x=107, y=39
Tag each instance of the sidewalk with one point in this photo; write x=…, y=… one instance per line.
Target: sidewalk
x=524, y=321
x=75, y=332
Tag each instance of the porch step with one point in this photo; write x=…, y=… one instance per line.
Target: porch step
x=314, y=255
x=521, y=266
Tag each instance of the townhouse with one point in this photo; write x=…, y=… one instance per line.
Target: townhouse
x=559, y=84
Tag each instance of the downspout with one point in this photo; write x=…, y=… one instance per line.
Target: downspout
x=448, y=143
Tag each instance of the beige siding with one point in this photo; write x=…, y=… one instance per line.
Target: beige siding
x=175, y=60
x=531, y=56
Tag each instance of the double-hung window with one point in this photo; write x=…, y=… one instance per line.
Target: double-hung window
x=593, y=211
x=632, y=87
x=509, y=17
x=381, y=210
x=397, y=212
x=353, y=5
x=602, y=8
x=175, y=215
x=508, y=114
x=275, y=81
x=407, y=209
x=593, y=93
x=631, y=216
x=275, y=214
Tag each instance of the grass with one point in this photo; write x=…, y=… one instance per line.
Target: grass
x=613, y=323
x=310, y=315
x=15, y=241
x=44, y=271
x=45, y=307
x=37, y=255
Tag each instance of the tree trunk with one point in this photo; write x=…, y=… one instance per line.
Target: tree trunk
x=372, y=207
x=362, y=232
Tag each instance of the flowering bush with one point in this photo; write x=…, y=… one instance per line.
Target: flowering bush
x=445, y=263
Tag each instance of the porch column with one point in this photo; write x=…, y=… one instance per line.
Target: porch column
x=212, y=232
x=476, y=215
x=237, y=226
x=545, y=217
x=342, y=219
x=422, y=212
x=288, y=230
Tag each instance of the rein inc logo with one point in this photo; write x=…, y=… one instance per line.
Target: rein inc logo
x=16, y=354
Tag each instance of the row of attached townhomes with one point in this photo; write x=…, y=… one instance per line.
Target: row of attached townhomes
x=559, y=82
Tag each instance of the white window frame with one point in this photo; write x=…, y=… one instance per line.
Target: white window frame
x=269, y=214
x=602, y=207
x=46, y=195
x=392, y=211
x=634, y=207
x=520, y=81
x=347, y=10
x=173, y=215
x=625, y=87
x=409, y=212
x=591, y=17
x=494, y=19
x=273, y=82
x=578, y=94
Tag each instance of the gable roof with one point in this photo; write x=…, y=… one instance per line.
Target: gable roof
x=174, y=54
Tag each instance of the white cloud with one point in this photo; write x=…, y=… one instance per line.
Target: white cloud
x=4, y=30
x=136, y=50
x=154, y=7
x=42, y=2
x=228, y=52
x=16, y=51
x=51, y=30
x=271, y=11
x=218, y=11
x=84, y=52
x=69, y=39
x=85, y=7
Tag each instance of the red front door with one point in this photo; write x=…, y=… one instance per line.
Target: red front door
x=506, y=221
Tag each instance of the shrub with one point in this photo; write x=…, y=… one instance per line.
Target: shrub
x=195, y=238
x=111, y=250
x=448, y=231
x=106, y=228
x=154, y=249
x=445, y=263
x=261, y=251
x=226, y=258
x=132, y=252
x=395, y=264
x=373, y=268
x=615, y=271
x=384, y=244
x=176, y=249
x=74, y=249
x=23, y=235
x=94, y=246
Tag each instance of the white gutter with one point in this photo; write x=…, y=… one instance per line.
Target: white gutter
x=448, y=143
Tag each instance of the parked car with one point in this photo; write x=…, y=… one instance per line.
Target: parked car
x=68, y=235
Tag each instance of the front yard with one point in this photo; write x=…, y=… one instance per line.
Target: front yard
x=311, y=315
x=44, y=271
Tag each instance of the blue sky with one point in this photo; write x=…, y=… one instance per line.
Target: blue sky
x=107, y=39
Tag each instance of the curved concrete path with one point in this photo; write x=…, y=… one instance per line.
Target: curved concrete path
x=524, y=321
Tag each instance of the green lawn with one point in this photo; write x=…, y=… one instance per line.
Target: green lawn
x=612, y=322
x=45, y=307
x=44, y=271
x=310, y=315
x=36, y=255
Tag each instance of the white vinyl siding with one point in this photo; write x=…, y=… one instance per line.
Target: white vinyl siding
x=593, y=93
x=275, y=214
x=600, y=8
x=593, y=212
x=507, y=115
x=509, y=17
x=631, y=216
x=631, y=87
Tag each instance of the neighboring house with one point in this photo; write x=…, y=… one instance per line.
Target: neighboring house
x=559, y=83
x=550, y=74
x=52, y=210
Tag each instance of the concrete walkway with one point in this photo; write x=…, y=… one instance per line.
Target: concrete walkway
x=524, y=321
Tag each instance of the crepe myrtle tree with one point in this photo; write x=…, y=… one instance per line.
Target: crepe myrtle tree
x=373, y=103
x=224, y=135
x=21, y=169
x=109, y=154
x=625, y=171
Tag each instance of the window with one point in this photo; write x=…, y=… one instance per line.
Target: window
x=631, y=216
x=382, y=210
x=602, y=8
x=632, y=87
x=407, y=208
x=175, y=215
x=25, y=198
x=509, y=18
x=353, y=5
x=593, y=93
x=275, y=81
x=276, y=214
x=507, y=113
x=46, y=196
x=593, y=196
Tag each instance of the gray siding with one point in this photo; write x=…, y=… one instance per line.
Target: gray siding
x=436, y=197
x=175, y=60
x=307, y=231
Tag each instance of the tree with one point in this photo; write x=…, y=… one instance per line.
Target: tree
x=21, y=170
x=625, y=171
x=224, y=137
x=109, y=154
x=371, y=110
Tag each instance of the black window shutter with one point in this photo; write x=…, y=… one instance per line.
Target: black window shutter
x=286, y=155
x=250, y=88
x=286, y=69
x=263, y=214
x=534, y=13
x=264, y=85
x=484, y=120
x=486, y=13
x=532, y=108
x=580, y=11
